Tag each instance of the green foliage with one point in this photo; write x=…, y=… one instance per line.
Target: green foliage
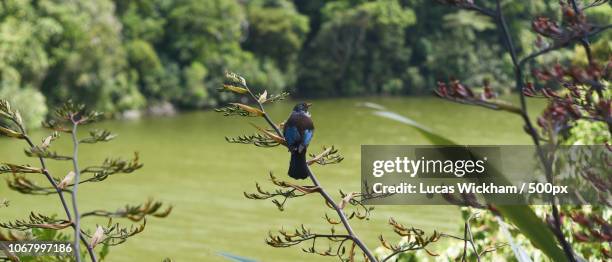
x=276, y=31
x=358, y=50
x=195, y=93
x=204, y=29
x=459, y=50
x=118, y=55
x=142, y=19
x=586, y=132
x=31, y=103
x=144, y=60
x=64, y=50
x=121, y=55
x=89, y=57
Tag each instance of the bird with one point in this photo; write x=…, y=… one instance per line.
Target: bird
x=298, y=131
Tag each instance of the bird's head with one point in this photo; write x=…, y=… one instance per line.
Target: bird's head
x=302, y=107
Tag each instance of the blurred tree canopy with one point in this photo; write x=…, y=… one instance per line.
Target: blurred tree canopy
x=117, y=55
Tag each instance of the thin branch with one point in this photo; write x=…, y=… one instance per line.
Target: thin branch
x=469, y=231
x=396, y=252
x=585, y=40
x=493, y=248
x=134, y=213
x=342, y=216
x=469, y=5
x=417, y=240
x=75, y=187
x=265, y=115
x=490, y=104
x=313, y=237
x=465, y=240
x=594, y=4
x=482, y=10
x=557, y=46
x=587, y=49
x=60, y=194
x=50, y=178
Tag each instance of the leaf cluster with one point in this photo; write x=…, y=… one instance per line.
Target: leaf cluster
x=36, y=221
x=135, y=213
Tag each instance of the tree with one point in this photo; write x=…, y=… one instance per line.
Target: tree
x=358, y=50
x=276, y=32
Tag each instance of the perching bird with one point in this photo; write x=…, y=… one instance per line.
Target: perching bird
x=298, y=131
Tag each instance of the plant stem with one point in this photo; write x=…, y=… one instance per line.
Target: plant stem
x=557, y=46
x=465, y=240
x=322, y=192
x=265, y=115
x=46, y=173
x=532, y=131
x=584, y=41
x=396, y=252
x=60, y=194
x=469, y=231
x=587, y=48
x=75, y=187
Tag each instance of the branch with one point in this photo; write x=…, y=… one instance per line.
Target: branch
x=529, y=126
x=490, y=104
x=328, y=156
x=24, y=185
x=401, y=250
x=75, y=187
x=595, y=3
x=236, y=79
x=19, y=169
x=41, y=152
x=112, y=166
x=287, y=239
x=361, y=211
x=469, y=5
x=7, y=112
x=37, y=221
x=134, y=213
x=114, y=234
x=302, y=234
x=286, y=191
x=256, y=139
x=556, y=46
x=97, y=136
x=342, y=216
x=417, y=240
x=468, y=229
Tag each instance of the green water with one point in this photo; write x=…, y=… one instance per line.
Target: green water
x=189, y=164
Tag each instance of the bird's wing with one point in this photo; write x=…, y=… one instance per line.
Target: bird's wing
x=307, y=136
x=292, y=135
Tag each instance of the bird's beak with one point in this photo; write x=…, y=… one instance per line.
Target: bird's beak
x=308, y=105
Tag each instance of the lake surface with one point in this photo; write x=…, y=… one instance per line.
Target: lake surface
x=189, y=164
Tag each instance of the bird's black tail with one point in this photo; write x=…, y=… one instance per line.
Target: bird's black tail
x=298, y=168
